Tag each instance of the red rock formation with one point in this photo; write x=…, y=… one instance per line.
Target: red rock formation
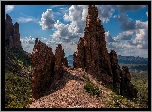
x=48, y=68
x=78, y=57
x=92, y=53
x=60, y=61
x=12, y=35
x=115, y=70
x=43, y=61
x=126, y=87
x=8, y=27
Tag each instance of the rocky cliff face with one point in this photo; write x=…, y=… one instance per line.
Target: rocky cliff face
x=115, y=70
x=48, y=68
x=60, y=62
x=12, y=35
x=92, y=54
x=126, y=87
x=43, y=64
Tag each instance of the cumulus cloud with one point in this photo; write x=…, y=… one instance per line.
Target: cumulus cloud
x=141, y=25
x=43, y=38
x=126, y=35
x=105, y=12
x=77, y=18
x=129, y=27
x=141, y=40
x=108, y=37
x=124, y=8
x=64, y=32
x=9, y=8
x=27, y=43
x=28, y=40
x=123, y=48
x=47, y=20
x=126, y=22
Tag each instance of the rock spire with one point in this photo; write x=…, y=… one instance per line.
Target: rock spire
x=92, y=55
x=12, y=35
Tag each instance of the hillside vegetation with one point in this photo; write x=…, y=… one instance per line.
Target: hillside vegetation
x=18, y=73
x=18, y=87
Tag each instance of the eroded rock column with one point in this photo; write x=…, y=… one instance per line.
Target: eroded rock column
x=43, y=61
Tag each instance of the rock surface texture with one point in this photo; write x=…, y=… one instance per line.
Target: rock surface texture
x=48, y=67
x=60, y=62
x=115, y=70
x=92, y=54
x=43, y=61
x=12, y=35
x=126, y=87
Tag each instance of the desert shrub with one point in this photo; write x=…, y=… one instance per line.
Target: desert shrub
x=17, y=90
x=91, y=88
x=140, y=82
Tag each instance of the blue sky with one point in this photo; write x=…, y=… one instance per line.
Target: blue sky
x=126, y=26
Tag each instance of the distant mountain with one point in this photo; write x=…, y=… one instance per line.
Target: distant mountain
x=70, y=60
x=121, y=59
x=132, y=60
x=70, y=57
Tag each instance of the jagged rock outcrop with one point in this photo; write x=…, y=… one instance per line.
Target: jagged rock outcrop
x=12, y=35
x=60, y=61
x=115, y=70
x=78, y=56
x=92, y=53
x=126, y=87
x=48, y=68
x=43, y=61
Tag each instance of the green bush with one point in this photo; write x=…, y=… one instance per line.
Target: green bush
x=91, y=88
x=18, y=91
x=140, y=81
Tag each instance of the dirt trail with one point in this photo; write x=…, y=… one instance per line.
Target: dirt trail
x=69, y=93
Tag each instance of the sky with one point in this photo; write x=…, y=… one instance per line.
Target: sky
x=126, y=26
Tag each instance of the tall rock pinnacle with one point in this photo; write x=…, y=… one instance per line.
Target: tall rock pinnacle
x=92, y=53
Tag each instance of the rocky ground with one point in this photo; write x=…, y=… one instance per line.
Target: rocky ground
x=69, y=92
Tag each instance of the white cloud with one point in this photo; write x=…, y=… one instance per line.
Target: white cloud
x=47, y=20
x=105, y=12
x=54, y=6
x=64, y=32
x=76, y=16
x=141, y=25
x=43, y=38
x=28, y=40
x=126, y=22
x=108, y=37
x=141, y=40
x=27, y=43
x=9, y=8
x=125, y=8
x=147, y=14
x=126, y=35
x=24, y=20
